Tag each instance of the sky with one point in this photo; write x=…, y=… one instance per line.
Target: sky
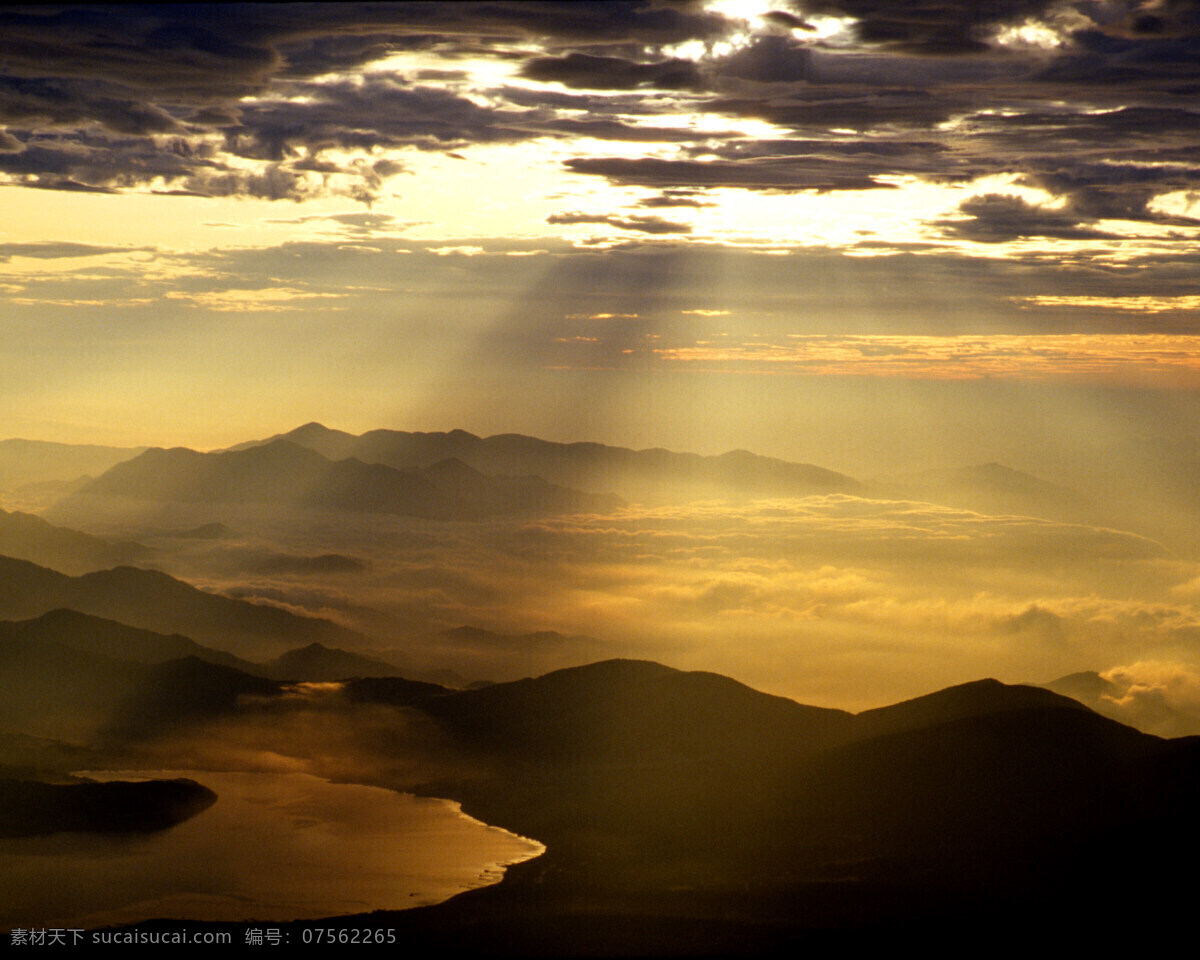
x=866, y=235
x=878, y=237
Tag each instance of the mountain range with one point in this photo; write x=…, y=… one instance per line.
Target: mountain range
x=285, y=473
x=633, y=474
x=684, y=812
x=155, y=601
x=457, y=475
x=665, y=796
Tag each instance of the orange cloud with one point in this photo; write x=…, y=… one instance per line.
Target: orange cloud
x=1172, y=359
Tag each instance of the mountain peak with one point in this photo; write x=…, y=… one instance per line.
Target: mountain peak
x=974, y=699
x=309, y=430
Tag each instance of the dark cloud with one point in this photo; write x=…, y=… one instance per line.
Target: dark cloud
x=377, y=112
x=782, y=18
x=1116, y=192
x=76, y=162
x=286, y=135
x=64, y=102
x=675, y=198
x=848, y=158
x=828, y=108
x=323, y=54
x=210, y=52
x=1099, y=59
x=178, y=98
x=586, y=71
x=599, y=129
x=229, y=51
x=55, y=251
x=641, y=224
x=770, y=59
x=999, y=218
x=929, y=27
x=766, y=175
x=148, y=70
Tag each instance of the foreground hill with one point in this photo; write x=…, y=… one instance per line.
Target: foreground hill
x=633, y=474
x=685, y=813
x=56, y=692
x=282, y=472
x=155, y=601
x=620, y=710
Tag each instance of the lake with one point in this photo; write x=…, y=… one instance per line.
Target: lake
x=274, y=847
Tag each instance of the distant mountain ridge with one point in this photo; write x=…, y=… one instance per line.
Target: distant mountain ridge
x=284, y=472
x=632, y=474
x=990, y=488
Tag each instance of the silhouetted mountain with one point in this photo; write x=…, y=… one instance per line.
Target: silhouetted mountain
x=666, y=798
x=395, y=691
x=35, y=461
x=975, y=699
x=319, y=663
x=57, y=692
x=989, y=778
x=81, y=631
x=331, y=444
x=27, y=537
x=169, y=694
x=675, y=801
x=31, y=808
x=274, y=472
x=634, y=474
x=76, y=678
x=155, y=601
x=282, y=472
x=25, y=757
x=634, y=711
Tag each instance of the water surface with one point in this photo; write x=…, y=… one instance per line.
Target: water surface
x=274, y=847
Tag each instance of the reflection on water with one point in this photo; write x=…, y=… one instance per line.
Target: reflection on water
x=274, y=847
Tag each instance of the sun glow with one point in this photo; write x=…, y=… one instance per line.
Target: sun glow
x=1030, y=34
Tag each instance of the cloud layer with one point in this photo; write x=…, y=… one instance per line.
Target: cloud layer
x=1086, y=102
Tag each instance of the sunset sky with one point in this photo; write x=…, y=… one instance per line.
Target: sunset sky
x=825, y=230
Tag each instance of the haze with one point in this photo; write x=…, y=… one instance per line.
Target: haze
x=882, y=246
